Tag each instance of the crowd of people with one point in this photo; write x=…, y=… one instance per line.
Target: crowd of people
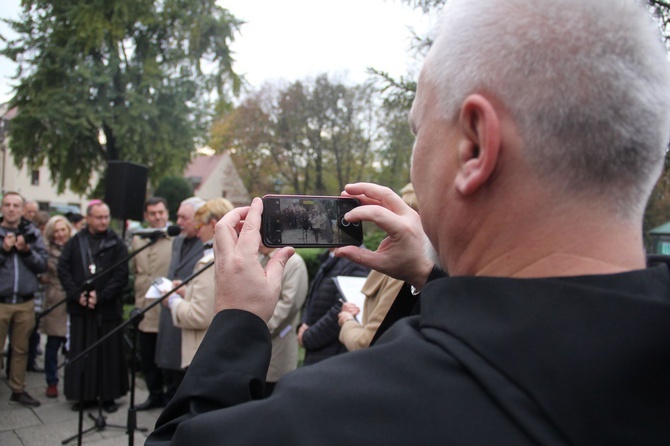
x=78, y=278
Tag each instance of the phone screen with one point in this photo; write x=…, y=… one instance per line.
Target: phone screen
x=309, y=221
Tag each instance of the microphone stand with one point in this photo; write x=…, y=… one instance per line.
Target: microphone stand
x=86, y=287
x=89, y=282
x=135, y=318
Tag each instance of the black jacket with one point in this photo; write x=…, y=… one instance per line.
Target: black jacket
x=322, y=307
x=579, y=360
x=73, y=272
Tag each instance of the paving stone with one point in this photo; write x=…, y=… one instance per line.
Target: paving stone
x=17, y=417
x=9, y=438
x=55, y=421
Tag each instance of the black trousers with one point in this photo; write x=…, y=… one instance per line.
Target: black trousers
x=172, y=380
x=152, y=374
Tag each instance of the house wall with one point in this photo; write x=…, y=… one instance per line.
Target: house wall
x=224, y=181
x=44, y=192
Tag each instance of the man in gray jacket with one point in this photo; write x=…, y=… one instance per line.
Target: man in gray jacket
x=186, y=251
x=22, y=256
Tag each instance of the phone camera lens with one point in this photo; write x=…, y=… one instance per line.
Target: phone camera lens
x=357, y=223
x=344, y=223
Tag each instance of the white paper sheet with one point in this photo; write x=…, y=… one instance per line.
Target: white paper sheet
x=158, y=288
x=350, y=287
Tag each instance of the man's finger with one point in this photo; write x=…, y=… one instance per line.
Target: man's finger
x=361, y=256
x=387, y=220
x=368, y=193
x=250, y=236
x=225, y=232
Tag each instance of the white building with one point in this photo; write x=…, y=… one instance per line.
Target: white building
x=35, y=185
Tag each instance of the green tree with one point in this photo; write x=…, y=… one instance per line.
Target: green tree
x=308, y=137
x=174, y=189
x=128, y=80
x=247, y=133
x=395, y=147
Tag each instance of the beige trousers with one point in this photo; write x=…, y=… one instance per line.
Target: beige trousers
x=22, y=318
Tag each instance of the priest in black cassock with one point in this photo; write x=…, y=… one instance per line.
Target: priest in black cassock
x=95, y=312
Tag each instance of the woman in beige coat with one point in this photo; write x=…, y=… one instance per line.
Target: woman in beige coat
x=192, y=307
x=56, y=233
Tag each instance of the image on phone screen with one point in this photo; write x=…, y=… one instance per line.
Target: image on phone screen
x=309, y=221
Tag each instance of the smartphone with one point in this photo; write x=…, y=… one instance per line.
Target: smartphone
x=307, y=221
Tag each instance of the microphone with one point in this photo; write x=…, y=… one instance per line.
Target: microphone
x=172, y=231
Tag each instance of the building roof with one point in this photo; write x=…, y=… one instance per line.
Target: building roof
x=201, y=167
x=663, y=229
x=8, y=113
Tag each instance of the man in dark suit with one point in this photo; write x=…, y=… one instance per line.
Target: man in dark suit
x=186, y=250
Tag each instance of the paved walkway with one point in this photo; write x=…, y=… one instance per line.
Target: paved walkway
x=55, y=421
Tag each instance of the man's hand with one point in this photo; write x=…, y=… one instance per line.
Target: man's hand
x=241, y=282
x=400, y=255
x=21, y=245
x=92, y=299
x=9, y=242
x=301, y=331
x=181, y=292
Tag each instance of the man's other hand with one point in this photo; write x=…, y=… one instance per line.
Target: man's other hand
x=402, y=254
x=241, y=282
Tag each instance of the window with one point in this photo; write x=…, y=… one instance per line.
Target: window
x=35, y=180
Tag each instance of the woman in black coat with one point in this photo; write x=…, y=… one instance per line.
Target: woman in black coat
x=319, y=330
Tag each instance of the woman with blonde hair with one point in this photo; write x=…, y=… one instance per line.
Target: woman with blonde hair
x=193, y=307
x=57, y=232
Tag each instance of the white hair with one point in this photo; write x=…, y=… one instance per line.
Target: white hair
x=194, y=202
x=586, y=81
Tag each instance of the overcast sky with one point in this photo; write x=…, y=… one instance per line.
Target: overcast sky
x=295, y=39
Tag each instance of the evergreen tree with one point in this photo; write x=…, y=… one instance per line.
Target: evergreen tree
x=104, y=80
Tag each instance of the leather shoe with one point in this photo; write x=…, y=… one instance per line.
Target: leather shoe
x=52, y=391
x=109, y=406
x=87, y=404
x=34, y=368
x=149, y=404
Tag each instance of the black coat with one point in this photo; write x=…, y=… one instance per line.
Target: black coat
x=322, y=307
x=73, y=270
x=103, y=371
x=490, y=361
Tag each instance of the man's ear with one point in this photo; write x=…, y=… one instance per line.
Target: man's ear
x=480, y=144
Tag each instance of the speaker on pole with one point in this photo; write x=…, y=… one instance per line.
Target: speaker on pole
x=125, y=189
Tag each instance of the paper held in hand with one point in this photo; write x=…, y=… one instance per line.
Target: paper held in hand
x=350, y=288
x=158, y=288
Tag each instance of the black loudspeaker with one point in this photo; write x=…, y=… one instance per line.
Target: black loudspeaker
x=125, y=189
